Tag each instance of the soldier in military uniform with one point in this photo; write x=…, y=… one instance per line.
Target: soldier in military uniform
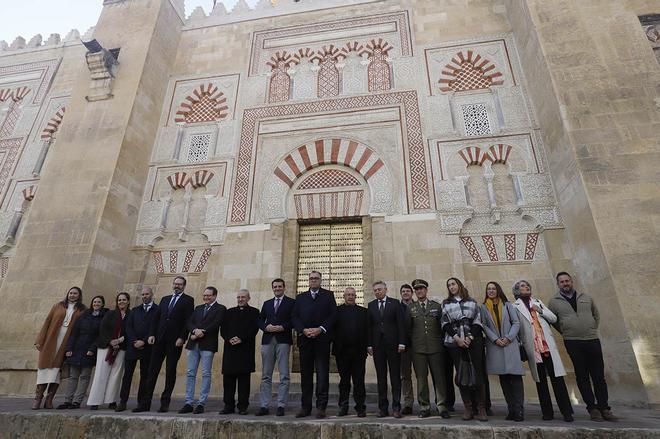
x=425, y=333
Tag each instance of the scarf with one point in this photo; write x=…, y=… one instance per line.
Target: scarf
x=116, y=332
x=540, y=344
x=495, y=312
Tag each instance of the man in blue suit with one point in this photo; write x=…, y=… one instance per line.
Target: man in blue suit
x=138, y=324
x=167, y=334
x=275, y=322
x=313, y=319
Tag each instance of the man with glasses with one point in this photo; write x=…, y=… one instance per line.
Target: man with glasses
x=313, y=318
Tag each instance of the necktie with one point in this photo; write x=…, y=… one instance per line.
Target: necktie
x=146, y=308
x=206, y=309
x=314, y=293
x=277, y=304
x=381, y=307
x=170, y=307
x=424, y=307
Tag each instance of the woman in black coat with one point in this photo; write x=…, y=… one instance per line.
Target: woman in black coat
x=81, y=353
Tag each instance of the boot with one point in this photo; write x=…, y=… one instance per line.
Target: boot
x=52, y=388
x=482, y=415
x=38, y=396
x=467, y=413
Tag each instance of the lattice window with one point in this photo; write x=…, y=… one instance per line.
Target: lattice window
x=328, y=179
x=199, y=148
x=280, y=82
x=476, y=120
x=328, y=85
x=380, y=75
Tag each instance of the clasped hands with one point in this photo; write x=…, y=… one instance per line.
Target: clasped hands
x=312, y=332
x=274, y=328
x=197, y=333
x=235, y=340
x=502, y=341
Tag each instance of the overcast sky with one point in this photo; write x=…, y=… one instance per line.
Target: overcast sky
x=30, y=17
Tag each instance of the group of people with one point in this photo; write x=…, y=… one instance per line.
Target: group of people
x=455, y=339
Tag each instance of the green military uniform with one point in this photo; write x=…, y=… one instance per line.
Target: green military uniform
x=425, y=334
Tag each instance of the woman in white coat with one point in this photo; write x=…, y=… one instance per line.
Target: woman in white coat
x=542, y=354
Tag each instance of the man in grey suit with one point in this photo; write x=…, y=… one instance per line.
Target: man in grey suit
x=275, y=322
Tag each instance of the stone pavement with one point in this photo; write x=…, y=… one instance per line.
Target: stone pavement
x=18, y=421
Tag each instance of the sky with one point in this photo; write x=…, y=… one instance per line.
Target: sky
x=30, y=17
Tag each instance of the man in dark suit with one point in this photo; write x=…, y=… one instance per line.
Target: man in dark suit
x=349, y=346
x=167, y=334
x=275, y=322
x=203, y=325
x=138, y=323
x=387, y=339
x=239, y=330
x=313, y=319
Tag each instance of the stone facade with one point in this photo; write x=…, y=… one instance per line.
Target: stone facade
x=472, y=139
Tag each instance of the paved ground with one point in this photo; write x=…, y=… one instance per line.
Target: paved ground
x=629, y=417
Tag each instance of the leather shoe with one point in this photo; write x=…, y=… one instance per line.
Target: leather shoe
x=303, y=413
x=509, y=416
x=342, y=411
x=187, y=408
x=518, y=418
x=226, y=411
x=263, y=411
x=199, y=409
x=406, y=411
x=164, y=408
x=141, y=408
x=548, y=417
x=361, y=414
x=383, y=414
x=120, y=407
x=64, y=406
x=243, y=412
x=112, y=405
x=280, y=411
x=320, y=413
x=75, y=405
x=424, y=414
x=608, y=415
x=568, y=418
x=445, y=414
x=396, y=414
x=595, y=415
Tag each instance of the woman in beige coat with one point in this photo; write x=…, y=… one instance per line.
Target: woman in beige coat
x=51, y=344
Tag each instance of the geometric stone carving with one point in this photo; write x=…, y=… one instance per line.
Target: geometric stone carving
x=206, y=104
x=178, y=180
x=53, y=124
x=180, y=261
x=201, y=178
x=329, y=204
x=475, y=117
x=467, y=71
x=102, y=66
x=280, y=81
x=329, y=79
x=379, y=71
x=486, y=248
x=329, y=178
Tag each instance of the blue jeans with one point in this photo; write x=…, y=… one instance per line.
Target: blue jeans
x=194, y=355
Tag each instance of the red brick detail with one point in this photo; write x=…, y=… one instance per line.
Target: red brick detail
x=200, y=178
x=329, y=178
x=305, y=156
x=174, y=259
x=188, y=260
x=20, y=93
x=302, y=54
x=473, y=155
x=468, y=71
x=352, y=147
x=320, y=152
x=282, y=176
x=5, y=93
x=202, y=261
x=178, y=180
x=499, y=153
x=374, y=168
x=471, y=248
x=53, y=124
x=158, y=262
x=206, y=104
x=363, y=160
x=530, y=246
x=280, y=82
x=292, y=164
x=378, y=72
x=4, y=267
x=510, y=247
x=353, y=46
x=29, y=192
x=489, y=243
x=334, y=154
x=419, y=187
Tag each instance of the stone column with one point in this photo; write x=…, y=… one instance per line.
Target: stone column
x=593, y=82
x=81, y=227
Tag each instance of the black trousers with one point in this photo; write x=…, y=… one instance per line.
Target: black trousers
x=450, y=396
x=351, y=367
x=514, y=393
x=388, y=357
x=314, y=355
x=168, y=352
x=547, y=369
x=229, y=388
x=587, y=358
x=127, y=380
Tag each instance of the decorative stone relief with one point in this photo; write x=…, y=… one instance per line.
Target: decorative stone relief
x=102, y=66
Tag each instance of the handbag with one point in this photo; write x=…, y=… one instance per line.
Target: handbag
x=466, y=374
x=521, y=347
